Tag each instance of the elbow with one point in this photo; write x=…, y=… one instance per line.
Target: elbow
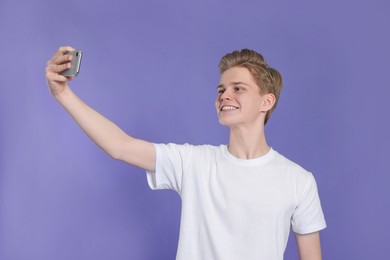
x=115, y=154
x=117, y=149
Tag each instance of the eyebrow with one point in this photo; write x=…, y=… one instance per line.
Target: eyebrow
x=232, y=84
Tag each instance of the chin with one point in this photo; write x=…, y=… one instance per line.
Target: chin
x=225, y=122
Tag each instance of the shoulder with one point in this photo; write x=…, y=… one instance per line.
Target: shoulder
x=186, y=148
x=292, y=168
x=301, y=180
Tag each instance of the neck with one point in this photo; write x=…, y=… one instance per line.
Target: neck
x=248, y=144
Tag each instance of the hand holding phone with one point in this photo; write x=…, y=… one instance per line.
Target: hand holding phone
x=75, y=64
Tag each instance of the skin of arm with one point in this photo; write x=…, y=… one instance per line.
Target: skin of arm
x=309, y=246
x=108, y=136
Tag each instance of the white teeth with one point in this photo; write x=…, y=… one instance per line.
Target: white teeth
x=224, y=108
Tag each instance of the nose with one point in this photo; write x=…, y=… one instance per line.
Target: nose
x=224, y=96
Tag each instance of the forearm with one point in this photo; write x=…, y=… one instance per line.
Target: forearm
x=108, y=136
x=310, y=257
x=309, y=246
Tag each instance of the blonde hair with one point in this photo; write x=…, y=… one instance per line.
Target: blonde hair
x=268, y=79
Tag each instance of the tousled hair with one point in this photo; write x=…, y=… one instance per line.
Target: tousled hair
x=268, y=79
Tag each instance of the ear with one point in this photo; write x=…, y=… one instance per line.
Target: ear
x=268, y=102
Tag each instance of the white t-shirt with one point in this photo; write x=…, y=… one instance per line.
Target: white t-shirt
x=234, y=209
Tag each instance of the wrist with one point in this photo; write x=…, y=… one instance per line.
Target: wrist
x=61, y=95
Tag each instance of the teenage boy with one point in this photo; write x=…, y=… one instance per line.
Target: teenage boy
x=238, y=200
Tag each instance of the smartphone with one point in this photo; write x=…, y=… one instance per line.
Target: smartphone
x=75, y=64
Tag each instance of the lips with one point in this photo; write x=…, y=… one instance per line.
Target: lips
x=228, y=108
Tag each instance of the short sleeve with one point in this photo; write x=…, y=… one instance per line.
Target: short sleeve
x=308, y=216
x=171, y=162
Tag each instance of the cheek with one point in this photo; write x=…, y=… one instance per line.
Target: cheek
x=216, y=103
x=216, y=107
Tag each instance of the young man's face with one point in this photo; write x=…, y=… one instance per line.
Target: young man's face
x=239, y=102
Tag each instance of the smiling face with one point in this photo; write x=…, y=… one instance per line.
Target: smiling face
x=239, y=102
x=268, y=79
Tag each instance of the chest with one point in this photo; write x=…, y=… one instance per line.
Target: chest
x=246, y=192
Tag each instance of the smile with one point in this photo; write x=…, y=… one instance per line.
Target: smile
x=228, y=108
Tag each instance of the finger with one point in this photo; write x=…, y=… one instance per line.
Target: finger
x=60, y=52
x=53, y=68
x=65, y=49
x=61, y=59
x=57, y=78
x=57, y=68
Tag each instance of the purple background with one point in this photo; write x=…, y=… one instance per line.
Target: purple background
x=151, y=67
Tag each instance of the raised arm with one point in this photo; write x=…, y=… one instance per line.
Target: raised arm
x=108, y=136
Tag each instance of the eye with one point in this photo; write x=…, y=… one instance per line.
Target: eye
x=220, y=91
x=237, y=89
